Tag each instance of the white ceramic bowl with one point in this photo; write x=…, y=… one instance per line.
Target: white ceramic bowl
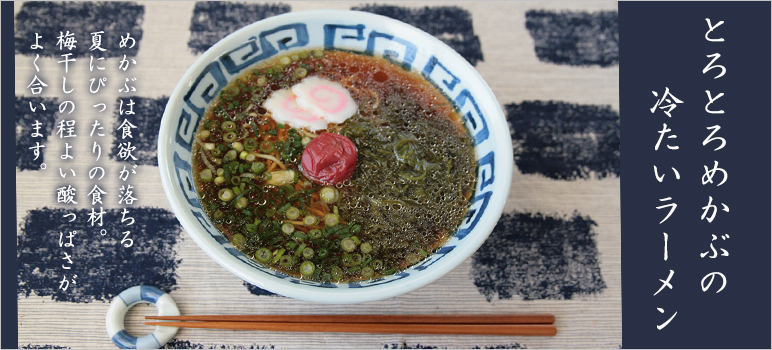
x=363, y=33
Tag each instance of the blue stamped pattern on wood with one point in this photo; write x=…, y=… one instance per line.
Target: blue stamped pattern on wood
x=214, y=20
x=565, y=141
x=52, y=19
x=103, y=265
x=450, y=24
x=352, y=37
x=26, y=121
x=575, y=38
x=538, y=257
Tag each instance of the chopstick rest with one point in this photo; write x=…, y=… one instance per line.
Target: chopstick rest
x=125, y=301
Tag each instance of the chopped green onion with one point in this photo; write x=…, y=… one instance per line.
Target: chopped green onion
x=218, y=214
x=263, y=255
x=330, y=219
x=281, y=177
x=228, y=126
x=337, y=273
x=285, y=261
x=229, y=136
x=315, y=233
x=283, y=208
x=305, y=140
x=367, y=272
x=238, y=240
x=205, y=175
x=242, y=202
x=277, y=254
x=299, y=251
x=287, y=228
x=219, y=180
x=230, y=155
x=329, y=194
x=308, y=252
x=347, y=244
x=307, y=268
x=267, y=146
x=366, y=247
x=322, y=252
x=292, y=213
x=257, y=168
x=310, y=220
x=225, y=194
x=250, y=144
x=301, y=72
x=238, y=146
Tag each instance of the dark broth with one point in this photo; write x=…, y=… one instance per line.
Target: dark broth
x=411, y=187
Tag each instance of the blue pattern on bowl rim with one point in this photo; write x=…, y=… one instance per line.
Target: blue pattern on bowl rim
x=362, y=33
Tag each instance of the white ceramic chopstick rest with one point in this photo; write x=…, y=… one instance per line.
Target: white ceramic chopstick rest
x=130, y=297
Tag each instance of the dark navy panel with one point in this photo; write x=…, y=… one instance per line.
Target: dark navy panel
x=45, y=113
x=48, y=19
x=10, y=138
x=104, y=267
x=452, y=25
x=214, y=20
x=668, y=46
x=575, y=38
x=535, y=256
x=564, y=141
x=147, y=119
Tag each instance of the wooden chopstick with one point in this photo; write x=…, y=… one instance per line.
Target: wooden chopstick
x=426, y=319
x=535, y=324
x=386, y=328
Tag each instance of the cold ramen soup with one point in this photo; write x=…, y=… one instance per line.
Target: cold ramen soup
x=333, y=166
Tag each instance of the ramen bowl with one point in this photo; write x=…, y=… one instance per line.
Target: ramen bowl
x=365, y=34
